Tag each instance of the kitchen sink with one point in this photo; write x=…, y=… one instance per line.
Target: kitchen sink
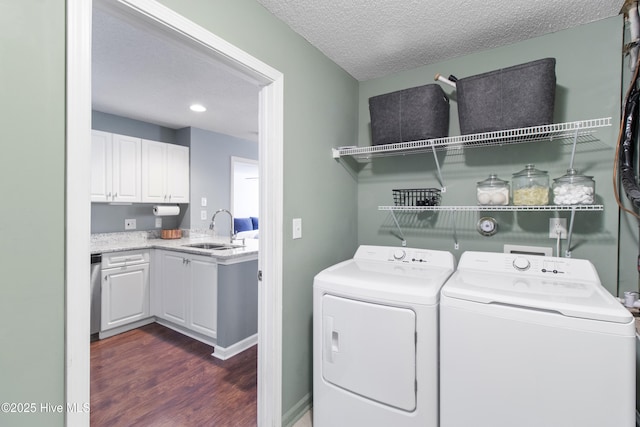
x=215, y=246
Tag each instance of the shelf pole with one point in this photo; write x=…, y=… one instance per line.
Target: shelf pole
x=456, y=245
x=404, y=240
x=567, y=253
x=435, y=157
x=573, y=149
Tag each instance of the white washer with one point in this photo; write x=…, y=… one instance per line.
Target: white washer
x=533, y=341
x=375, y=338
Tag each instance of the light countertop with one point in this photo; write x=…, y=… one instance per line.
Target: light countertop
x=114, y=242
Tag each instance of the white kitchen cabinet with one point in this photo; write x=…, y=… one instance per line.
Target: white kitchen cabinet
x=203, y=295
x=188, y=287
x=165, y=172
x=173, y=297
x=115, y=168
x=124, y=288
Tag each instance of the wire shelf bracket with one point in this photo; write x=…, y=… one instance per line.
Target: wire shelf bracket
x=546, y=208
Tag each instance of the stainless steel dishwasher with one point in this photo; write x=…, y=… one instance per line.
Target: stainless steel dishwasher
x=96, y=265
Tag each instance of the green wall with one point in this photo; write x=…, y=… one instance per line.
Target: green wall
x=32, y=102
x=588, y=71
x=320, y=112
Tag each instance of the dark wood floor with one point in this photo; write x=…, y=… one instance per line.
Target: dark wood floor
x=154, y=376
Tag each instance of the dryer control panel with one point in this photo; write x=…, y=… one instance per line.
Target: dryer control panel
x=403, y=255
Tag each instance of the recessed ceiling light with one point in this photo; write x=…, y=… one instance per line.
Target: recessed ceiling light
x=198, y=108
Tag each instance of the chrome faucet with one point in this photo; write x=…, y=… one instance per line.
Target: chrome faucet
x=232, y=234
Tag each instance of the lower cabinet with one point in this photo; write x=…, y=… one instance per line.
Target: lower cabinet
x=186, y=291
x=124, y=289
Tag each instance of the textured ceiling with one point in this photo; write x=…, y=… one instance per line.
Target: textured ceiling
x=374, y=38
x=149, y=74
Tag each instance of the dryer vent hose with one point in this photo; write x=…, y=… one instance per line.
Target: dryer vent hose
x=627, y=150
x=627, y=138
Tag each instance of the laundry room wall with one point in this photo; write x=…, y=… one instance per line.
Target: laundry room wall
x=588, y=71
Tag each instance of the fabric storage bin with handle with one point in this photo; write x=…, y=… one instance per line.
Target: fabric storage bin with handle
x=409, y=115
x=514, y=97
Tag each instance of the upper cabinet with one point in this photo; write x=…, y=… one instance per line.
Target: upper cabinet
x=132, y=170
x=115, y=168
x=165, y=173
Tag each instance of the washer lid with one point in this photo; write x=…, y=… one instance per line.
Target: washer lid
x=571, y=288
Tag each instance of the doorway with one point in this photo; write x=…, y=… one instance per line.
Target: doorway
x=245, y=187
x=78, y=215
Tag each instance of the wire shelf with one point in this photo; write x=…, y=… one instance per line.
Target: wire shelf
x=510, y=208
x=511, y=136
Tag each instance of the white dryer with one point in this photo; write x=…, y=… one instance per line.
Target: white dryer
x=533, y=341
x=375, y=338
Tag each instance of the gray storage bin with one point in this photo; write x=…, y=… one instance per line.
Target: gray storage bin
x=509, y=98
x=409, y=115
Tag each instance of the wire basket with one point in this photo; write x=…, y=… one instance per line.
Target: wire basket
x=416, y=197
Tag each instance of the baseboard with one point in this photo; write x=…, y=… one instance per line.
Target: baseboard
x=296, y=412
x=188, y=332
x=224, y=353
x=120, y=329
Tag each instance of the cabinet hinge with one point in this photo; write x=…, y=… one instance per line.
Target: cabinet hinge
x=259, y=275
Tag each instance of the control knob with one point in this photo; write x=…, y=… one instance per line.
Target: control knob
x=399, y=254
x=521, y=263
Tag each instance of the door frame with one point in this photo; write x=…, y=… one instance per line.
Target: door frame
x=78, y=207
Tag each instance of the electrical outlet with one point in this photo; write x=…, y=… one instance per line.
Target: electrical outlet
x=203, y=215
x=557, y=225
x=158, y=222
x=129, y=224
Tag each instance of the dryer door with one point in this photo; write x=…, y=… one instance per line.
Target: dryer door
x=370, y=350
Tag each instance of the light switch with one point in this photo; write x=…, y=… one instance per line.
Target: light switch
x=203, y=202
x=297, y=228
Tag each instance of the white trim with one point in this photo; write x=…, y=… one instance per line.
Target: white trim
x=224, y=353
x=124, y=328
x=299, y=410
x=270, y=254
x=78, y=210
x=78, y=214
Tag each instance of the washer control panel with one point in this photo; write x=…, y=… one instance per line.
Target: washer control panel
x=528, y=265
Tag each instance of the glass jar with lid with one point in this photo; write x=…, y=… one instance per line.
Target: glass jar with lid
x=574, y=189
x=530, y=187
x=493, y=191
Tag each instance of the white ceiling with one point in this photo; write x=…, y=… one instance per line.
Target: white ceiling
x=142, y=73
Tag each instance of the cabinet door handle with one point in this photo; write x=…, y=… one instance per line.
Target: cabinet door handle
x=169, y=197
x=106, y=277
